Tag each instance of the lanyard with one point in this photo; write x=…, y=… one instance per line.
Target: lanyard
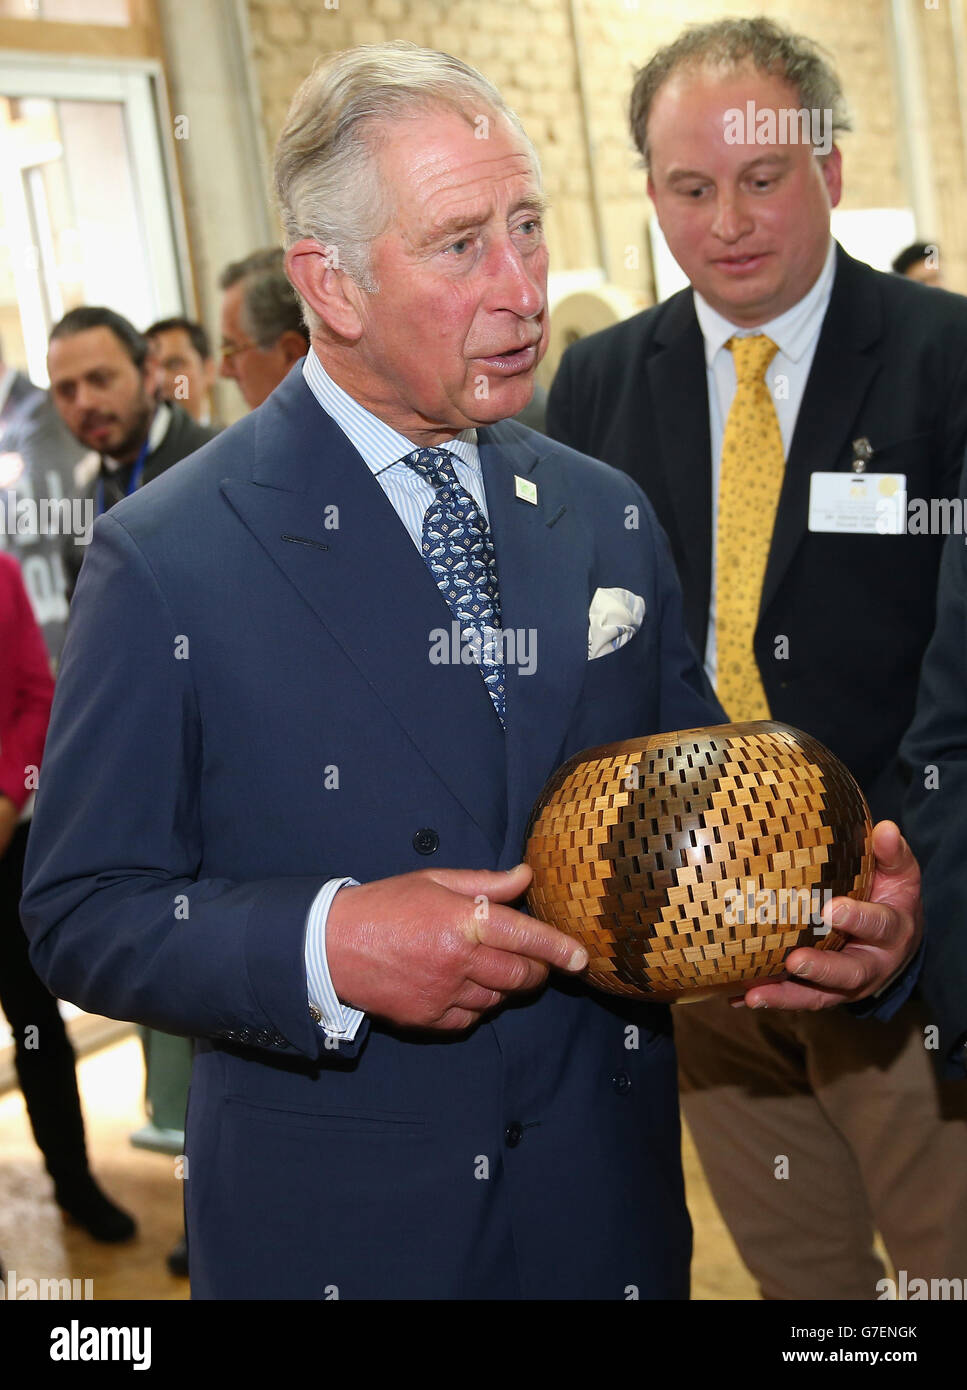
x=136, y=474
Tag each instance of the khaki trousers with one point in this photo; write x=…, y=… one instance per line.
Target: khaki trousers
x=814, y=1129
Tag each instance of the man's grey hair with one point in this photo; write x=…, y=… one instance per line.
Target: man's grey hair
x=270, y=306
x=326, y=176
x=729, y=44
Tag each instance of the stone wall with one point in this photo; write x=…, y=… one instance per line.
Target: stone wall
x=529, y=49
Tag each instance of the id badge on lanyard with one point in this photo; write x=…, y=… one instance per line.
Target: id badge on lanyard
x=137, y=473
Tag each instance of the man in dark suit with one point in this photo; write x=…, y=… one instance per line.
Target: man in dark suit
x=262, y=329
x=936, y=750
x=20, y=402
x=104, y=381
x=867, y=397
x=186, y=364
x=301, y=819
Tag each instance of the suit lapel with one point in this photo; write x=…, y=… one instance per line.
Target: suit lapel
x=842, y=372
x=677, y=376
x=544, y=563
x=368, y=585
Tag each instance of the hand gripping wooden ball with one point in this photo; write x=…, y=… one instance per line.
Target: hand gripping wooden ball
x=692, y=863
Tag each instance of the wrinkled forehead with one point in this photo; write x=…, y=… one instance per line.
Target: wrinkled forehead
x=172, y=342
x=696, y=99
x=440, y=151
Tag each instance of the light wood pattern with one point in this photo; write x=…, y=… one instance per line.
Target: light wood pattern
x=140, y=38
x=691, y=863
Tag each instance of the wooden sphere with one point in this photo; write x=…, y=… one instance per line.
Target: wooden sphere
x=692, y=863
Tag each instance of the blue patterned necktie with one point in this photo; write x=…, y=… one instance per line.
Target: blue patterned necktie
x=459, y=553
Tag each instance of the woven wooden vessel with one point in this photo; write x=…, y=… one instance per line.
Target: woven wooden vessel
x=692, y=863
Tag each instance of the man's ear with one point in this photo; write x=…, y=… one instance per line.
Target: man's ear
x=292, y=345
x=311, y=267
x=151, y=374
x=832, y=167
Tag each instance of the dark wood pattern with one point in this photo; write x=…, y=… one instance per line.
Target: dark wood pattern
x=691, y=863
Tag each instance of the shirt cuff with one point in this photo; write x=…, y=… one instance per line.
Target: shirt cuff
x=336, y=1019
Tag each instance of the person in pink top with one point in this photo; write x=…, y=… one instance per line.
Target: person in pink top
x=44, y=1057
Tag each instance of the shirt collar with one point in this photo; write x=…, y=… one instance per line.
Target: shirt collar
x=156, y=433
x=159, y=427
x=378, y=444
x=792, y=332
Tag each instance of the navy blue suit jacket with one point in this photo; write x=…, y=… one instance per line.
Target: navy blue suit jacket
x=936, y=749
x=228, y=649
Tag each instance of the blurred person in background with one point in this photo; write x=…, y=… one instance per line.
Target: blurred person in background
x=920, y=261
x=37, y=460
x=104, y=381
x=44, y=1057
x=263, y=332
x=188, y=369
x=19, y=399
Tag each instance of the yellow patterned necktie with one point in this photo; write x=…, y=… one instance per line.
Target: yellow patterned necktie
x=750, y=480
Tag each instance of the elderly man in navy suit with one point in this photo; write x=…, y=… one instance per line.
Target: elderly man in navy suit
x=317, y=676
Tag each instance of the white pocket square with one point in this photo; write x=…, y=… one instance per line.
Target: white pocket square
x=614, y=617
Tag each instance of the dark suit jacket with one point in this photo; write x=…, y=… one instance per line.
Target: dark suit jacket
x=182, y=437
x=23, y=400
x=890, y=366
x=936, y=747
x=184, y=826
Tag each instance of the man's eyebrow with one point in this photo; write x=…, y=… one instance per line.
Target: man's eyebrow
x=678, y=175
x=534, y=202
x=771, y=159
x=466, y=221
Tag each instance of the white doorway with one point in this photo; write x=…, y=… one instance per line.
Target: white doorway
x=86, y=211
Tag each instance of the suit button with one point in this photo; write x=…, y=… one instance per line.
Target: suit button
x=426, y=842
x=513, y=1134
x=621, y=1081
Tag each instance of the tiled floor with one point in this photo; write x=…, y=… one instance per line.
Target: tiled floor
x=36, y=1243
x=34, y=1239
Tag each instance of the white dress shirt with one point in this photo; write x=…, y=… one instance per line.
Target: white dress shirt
x=795, y=333
x=156, y=433
x=382, y=448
